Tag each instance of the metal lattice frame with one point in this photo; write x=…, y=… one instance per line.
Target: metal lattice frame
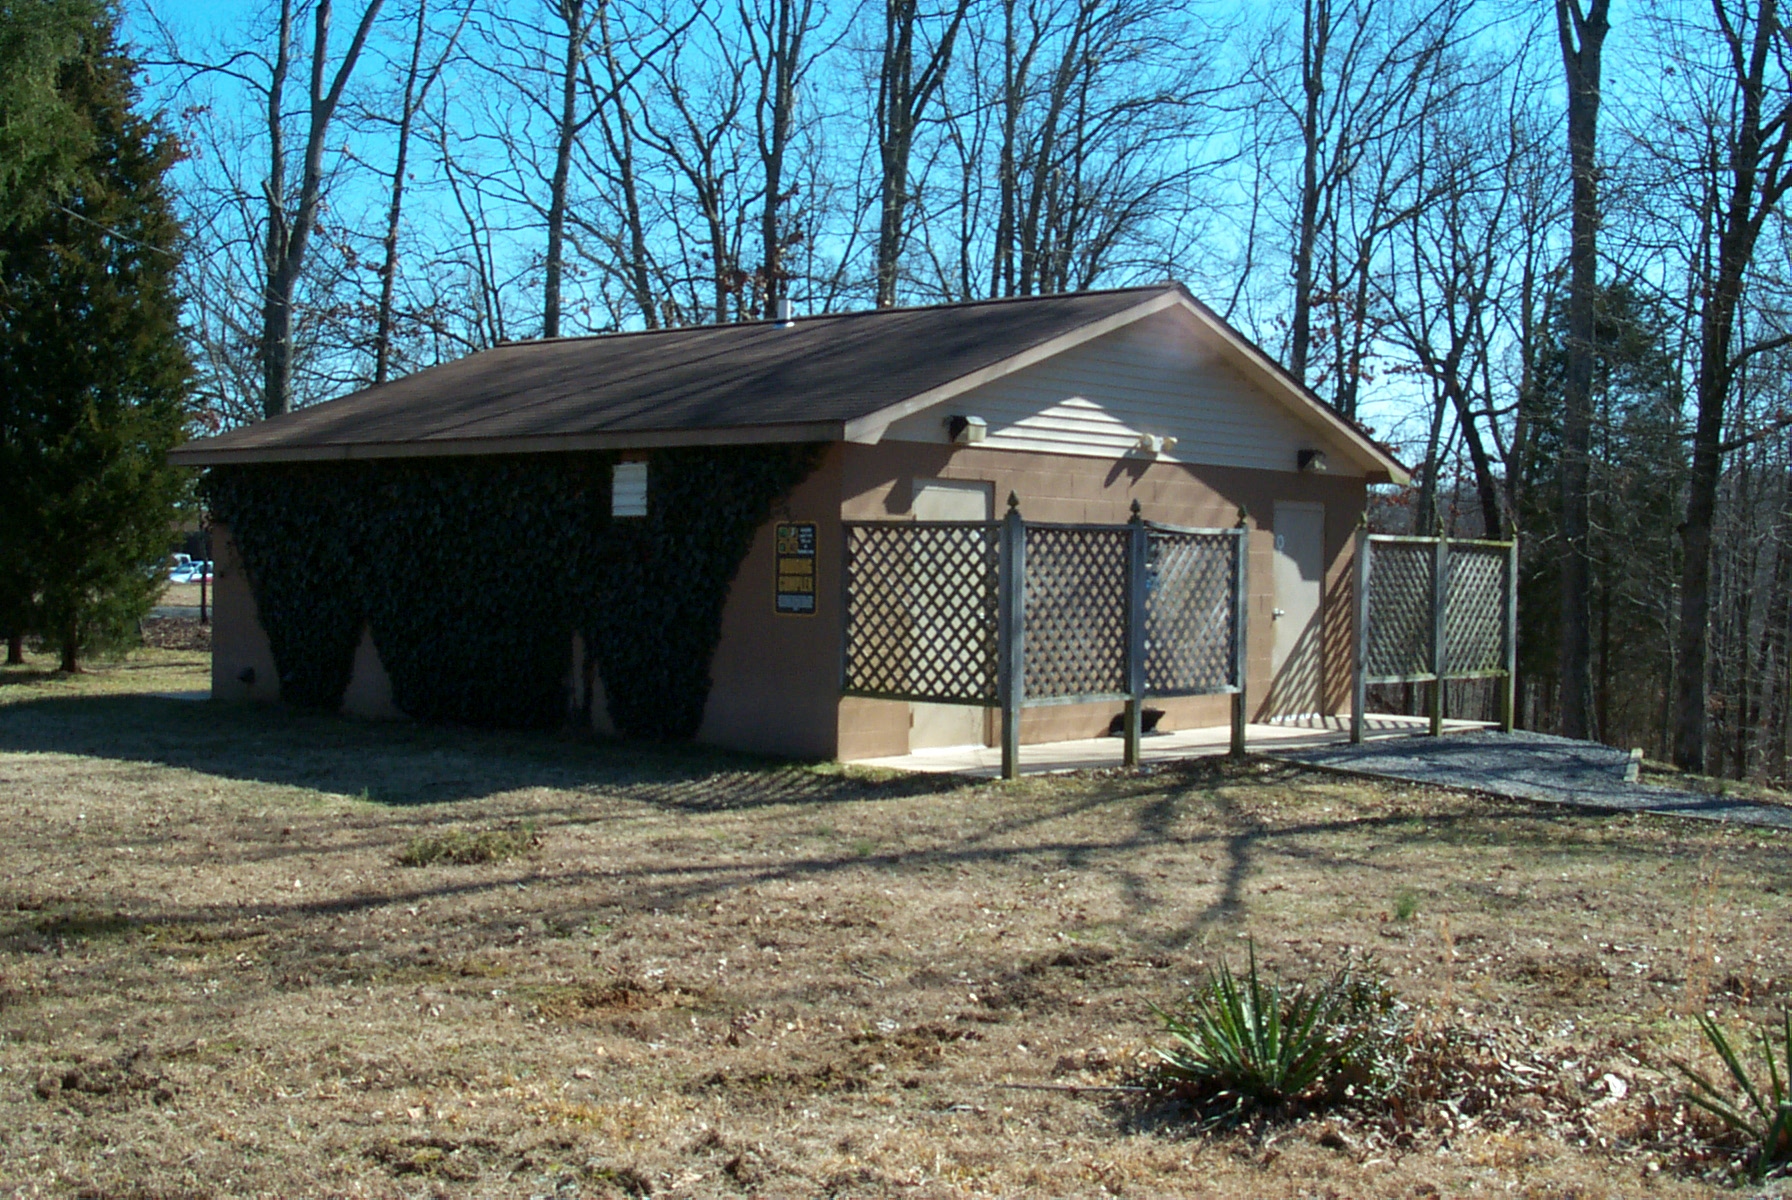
x=1400, y=628
x=1014, y=614
x=1191, y=614
x=921, y=610
x=1076, y=587
x=1475, y=610
x=1430, y=610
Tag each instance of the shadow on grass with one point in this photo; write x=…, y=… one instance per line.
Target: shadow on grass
x=401, y=763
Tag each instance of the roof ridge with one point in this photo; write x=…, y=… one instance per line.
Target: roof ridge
x=987, y=301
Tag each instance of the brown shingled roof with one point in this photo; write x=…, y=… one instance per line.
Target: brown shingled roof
x=823, y=378
x=764, y=380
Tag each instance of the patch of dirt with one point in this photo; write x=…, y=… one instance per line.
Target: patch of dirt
x=434, y=1157
x=594, y=999
x=1571, y=976
x=176, y=633
x=91, y=1086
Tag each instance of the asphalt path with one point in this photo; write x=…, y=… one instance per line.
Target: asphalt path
x=1533, y=766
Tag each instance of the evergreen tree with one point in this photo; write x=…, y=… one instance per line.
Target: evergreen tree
x=93, y=373
x=42, y=139
x=1635, y=478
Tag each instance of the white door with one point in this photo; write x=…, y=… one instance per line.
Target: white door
x=1299, y=600
x=936, y=725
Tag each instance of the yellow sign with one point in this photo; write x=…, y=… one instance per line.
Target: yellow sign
x=796, y=568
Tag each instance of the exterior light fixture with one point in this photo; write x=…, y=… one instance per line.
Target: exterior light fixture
x=1151, y=443
x=966, y=430
x=1311, y=460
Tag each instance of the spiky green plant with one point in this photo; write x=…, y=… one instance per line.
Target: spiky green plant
x=1246, y=1045
x=1763, y=1115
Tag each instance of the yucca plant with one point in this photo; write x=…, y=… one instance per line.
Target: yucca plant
x=1763, y=1115
x=1240, y=1046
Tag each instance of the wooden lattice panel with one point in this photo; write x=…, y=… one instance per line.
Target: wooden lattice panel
x=1075, y=612
x=921, y=611
x=1400, y=628
x=1475, y=609
x=1191, y=624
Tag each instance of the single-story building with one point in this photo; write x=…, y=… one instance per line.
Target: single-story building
x=1078, y=405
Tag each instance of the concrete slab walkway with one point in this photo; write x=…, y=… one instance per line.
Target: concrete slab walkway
x=1532, y=766
x=1096, y=753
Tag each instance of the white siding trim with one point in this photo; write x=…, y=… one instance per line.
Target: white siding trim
x=1153, y=377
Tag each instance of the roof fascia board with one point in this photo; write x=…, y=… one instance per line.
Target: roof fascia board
x=204, y=456
x=869, y=429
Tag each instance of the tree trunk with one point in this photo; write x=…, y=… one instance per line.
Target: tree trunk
x=289, y=234
x=71, y=649
x=413, y=99
x=15, y=649
x=565, y=137
x=1582, y=62
x=1757, y=177
x=1315, y=34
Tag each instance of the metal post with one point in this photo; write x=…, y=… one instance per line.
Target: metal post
x=1509, y=686
x=1136, y=548
x=1011, y=622
x=1440, y=583
x=1241, y=642
x=1359, y=653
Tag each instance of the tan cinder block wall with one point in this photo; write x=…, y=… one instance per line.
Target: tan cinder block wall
x=776, y=677
x=369, y=690
x=877, y=484
x=239, y=645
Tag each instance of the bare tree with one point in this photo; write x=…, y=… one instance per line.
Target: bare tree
x=1369, y=72
x=904, y=95
x=1743, y=162
x=1581, y=33
x=420, y=76
x=777, y=37
x=291, y=219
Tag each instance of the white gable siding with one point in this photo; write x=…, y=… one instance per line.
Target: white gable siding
x=1154, y=376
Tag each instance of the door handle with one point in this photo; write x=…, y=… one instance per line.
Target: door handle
x=1276, y=612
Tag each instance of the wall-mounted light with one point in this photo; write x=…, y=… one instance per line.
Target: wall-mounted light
x=966, y=430
x=1311, y=460
x=1151, y=443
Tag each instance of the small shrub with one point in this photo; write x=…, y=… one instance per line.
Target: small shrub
x=1244, y=1046
x=464, y=847
x=1406, y=903
x=1762, y=1114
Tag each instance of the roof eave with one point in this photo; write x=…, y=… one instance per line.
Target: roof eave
x=200, y=454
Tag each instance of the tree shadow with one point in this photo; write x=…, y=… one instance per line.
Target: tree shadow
x=403, y=763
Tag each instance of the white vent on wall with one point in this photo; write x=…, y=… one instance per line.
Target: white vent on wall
x=628, y=490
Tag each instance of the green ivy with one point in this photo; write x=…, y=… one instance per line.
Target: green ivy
x=294, y=542
x=473, y=573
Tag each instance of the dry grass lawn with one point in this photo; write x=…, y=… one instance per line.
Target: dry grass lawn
x=685, y=974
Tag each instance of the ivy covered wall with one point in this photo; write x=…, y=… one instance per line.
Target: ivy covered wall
x=473, y=573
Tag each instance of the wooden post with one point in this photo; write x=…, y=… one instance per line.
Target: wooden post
x=1359, y=632
x=1509, y=686
x=1241, y=642
x=1440, y=584
x=1136, y=551
x=1011, y=621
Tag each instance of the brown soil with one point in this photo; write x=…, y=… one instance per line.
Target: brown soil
x=176, y=633
x=719, y=977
